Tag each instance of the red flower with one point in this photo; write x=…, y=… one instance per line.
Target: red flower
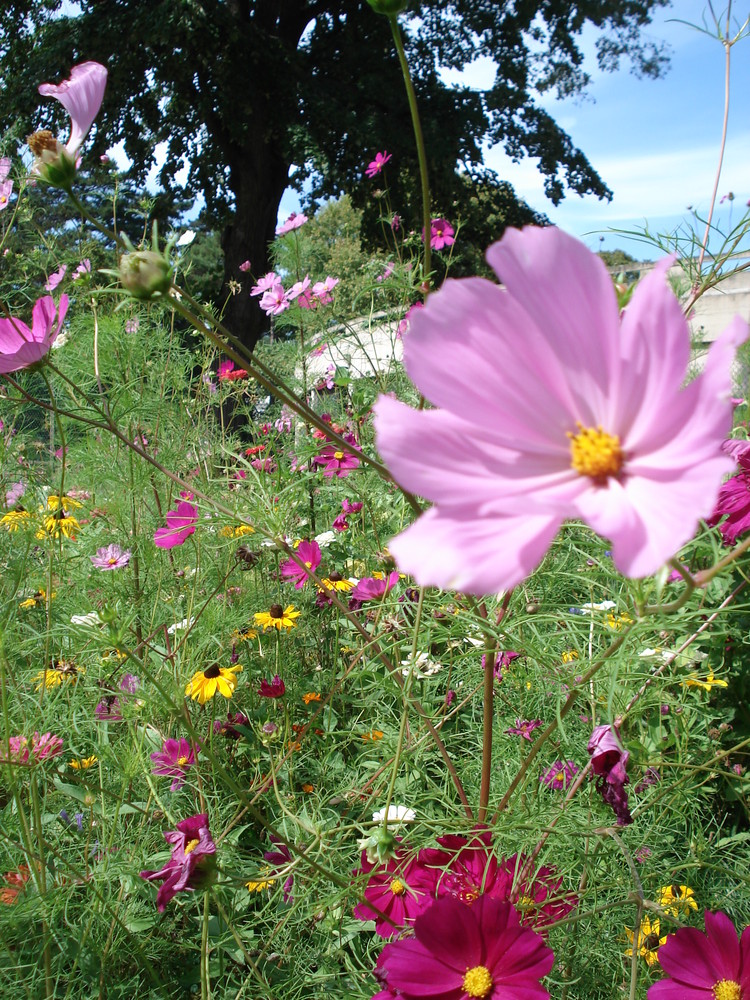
x=272, y=689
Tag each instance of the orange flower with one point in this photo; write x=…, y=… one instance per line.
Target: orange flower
x=374, y=734
x=311, y=696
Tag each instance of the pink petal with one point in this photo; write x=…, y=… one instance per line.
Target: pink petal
x=688, y=957
x=81, y=96
x=723, y=940
x=451, y=932
x=669, y=989
x=458, y=550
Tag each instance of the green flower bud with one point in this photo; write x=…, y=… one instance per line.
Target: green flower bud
x=379, y=846
x=52, y=162
x=145, y=273
x=389, y=7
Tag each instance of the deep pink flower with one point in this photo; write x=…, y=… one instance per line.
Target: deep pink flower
x=310, y=554
x=245, y=266
x=294, y=221
x=374, y=167
x=45, y=746
x=350, y=507
x=109, y=709
x=272, y=689
x=191, y=865
x=441, y=234
x=560, y=774
x=180, y=524
x=280, y=857
x=401, y=889
x=340, y=523
x=6, y=186
x=228, y=373
x=734, y=503
x=538, y=895
x=551, y=408
x=710, y=966
x=81, y=95
x=229, y=729
x=503, y=659
x=465, y=869
x=174, y=759
x=21, y=346
x=459, y=953
x=524, y=728
x=111, y=557
x=608, y=762
x=334, y=462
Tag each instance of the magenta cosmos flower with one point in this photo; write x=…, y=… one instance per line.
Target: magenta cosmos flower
x=81, y=96
x=174, y=759
x=559, y=775
x=400, y=890
x=467, y=953
x=441, y=234
x=609, y=761
x=21, y=346
x=274, y=688
x=191, y=865
x=310, y=554
x=710, y=966
x=111, y=557
x=734, y=501
x=374, y=167
x=180, y=524
x=335, y=463
x=551, y=407
x=524, y=728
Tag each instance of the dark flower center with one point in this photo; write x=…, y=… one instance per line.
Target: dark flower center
x=276, y=611
x=213, y=671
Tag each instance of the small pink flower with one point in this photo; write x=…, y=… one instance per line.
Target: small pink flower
x=310, y=554
x=274, y=688
x=174, y=759
x=294, y=221
x=6, y=189
x=298, y=288
x=560, y=775
x=524, y=728
x=274, y=301
x=54, y=279
x=83, y=269
x=403, y=326
x=374, y=167
x=245, y=265
x=111, y=557
x=180, y=524
x=265, y=283
x=21, y=346
x=441, y=234
x=334, y=462
x=131, y=325
x=372, y=588
x=46, y=746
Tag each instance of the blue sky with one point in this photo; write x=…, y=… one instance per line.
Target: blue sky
x=655, y=143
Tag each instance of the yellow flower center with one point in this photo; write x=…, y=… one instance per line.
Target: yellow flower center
x=478, y=981
x=397, y=887
x=338, y=455
x=111, y=561
x=191, y=846
x=560, y=776
x=727, y=989
x=182, y=761
x=595, y=453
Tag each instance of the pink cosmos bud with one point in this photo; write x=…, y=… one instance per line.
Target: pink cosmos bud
x=145, y=273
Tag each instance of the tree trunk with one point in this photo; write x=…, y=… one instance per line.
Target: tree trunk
x=259, y=179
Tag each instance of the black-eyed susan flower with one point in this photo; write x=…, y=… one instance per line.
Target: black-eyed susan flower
x=59, y=672
x=647, y=941
x=205, y=683
x=57, y=522
x=261, y=883
x=13, y=520
x=277, y=617
x=236, y=531
x=678, y=900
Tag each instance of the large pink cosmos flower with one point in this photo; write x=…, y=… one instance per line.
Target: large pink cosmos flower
x=81, y=96
x=551, y=407
x=461, y=952
x=180, y=524
x=401, y=889
x=21, y=346
x=710, y=966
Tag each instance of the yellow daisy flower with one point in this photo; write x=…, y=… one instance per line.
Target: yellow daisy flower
x=277, y=617
x=206, y=683
x=678, y=900
x=710, y=681
x=617, y=622
x=647, y=942
x=337, y=582
x=84, y=764
x=15, y=519
x=262, y=883
x=569, y=655
x=67, y=503
x=58, y=524
x=230, y=531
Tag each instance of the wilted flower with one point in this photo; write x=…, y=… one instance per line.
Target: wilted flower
x=191, y=865
x=608, y=761
x=618, y=442
x=274, y=688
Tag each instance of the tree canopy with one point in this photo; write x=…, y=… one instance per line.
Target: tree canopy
x=240, y=91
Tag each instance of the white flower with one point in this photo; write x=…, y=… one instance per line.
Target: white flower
x=422, y=666
x=186, y=239
x=325, y=538
x=180, y=625
x=604, y=606
x=92, y=618
x=396, y=816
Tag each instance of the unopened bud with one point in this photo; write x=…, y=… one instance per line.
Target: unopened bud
x=145, y=273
